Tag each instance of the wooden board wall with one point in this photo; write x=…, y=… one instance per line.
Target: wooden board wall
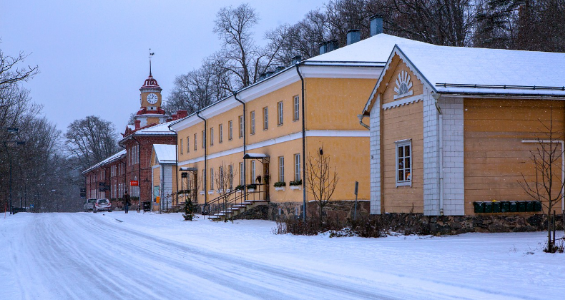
x=495, y=156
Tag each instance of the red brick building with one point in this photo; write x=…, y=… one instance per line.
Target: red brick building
x=130, y=169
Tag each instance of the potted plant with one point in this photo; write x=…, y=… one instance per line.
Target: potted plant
x=295, y=184
x=239, y=188
x=251, y=187
x=279, y=185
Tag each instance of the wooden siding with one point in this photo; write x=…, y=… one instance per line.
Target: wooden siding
x=402, y=123
x=495, y=156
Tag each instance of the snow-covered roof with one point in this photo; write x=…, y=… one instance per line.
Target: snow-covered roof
x=374, y=49
x=488, y=71
x=166, y=154
x=159, y=129
x=108, y=160
x=254, y=155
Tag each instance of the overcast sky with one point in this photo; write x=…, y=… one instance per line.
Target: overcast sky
x=93, y=55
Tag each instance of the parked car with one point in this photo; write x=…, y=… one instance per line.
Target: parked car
x=102, y=204
x=89, y=204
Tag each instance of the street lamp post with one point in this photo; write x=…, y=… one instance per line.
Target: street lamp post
x=11, y=130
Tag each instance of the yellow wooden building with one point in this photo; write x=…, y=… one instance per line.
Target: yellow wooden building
x=265, y=133
x=452, y=129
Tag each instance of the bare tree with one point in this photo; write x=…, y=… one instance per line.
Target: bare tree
x=243, y=61
x=10, y=73
x=548, y=185
x=199, y=88
x=91, y=140
x=322, y=179
x=224, y=183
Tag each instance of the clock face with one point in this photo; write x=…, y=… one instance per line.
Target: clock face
x=152, y=98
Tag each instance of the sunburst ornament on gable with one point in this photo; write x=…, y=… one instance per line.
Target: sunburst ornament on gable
x=403, y=85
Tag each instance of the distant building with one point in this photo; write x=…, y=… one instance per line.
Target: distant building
x=130, y=169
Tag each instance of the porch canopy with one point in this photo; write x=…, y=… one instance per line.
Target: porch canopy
x=255, y=156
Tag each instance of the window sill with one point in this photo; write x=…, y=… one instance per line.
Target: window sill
x=400, y=184
x=210, y=192
x=279, y=189
x=295, y=187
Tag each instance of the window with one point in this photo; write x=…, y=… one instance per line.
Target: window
x=203, y=139
x=280, y=113
x=281, y=168
x=403, y=163
x=195, y=143
x=211, y=136
x=296, y=109
x=240, y=126
x=187, y=144
x=181, y=145
x=230, y=176
x=211, y=178
x=252, y=117
x=265, y=118
x=221, y=133
x=252, y=171
x=241, y=174
x=204, y=179
x=297, y=166
x=221, y=178
x=230, y=130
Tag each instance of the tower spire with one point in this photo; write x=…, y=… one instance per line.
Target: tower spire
x=150, y=55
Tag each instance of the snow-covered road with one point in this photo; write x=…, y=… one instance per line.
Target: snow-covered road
x=148, y=256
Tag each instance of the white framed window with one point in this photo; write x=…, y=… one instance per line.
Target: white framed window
x=187, y=144
x=181, y=146
x=230, y=176
x=241, y=174
x=211, y=178
x=280, y=113
x=265, y=118
x=220, y=133
x=203, y=139
x=221, y=178
x=211, y=136
x=296, y=109
x=252, y=171
x=195, y=142
x=281, y=168
x=404, y=163
x=297, y=167
x=252, y=120
x=230, y=130
x=240, y=126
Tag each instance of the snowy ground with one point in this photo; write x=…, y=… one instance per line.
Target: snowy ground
x=151, y=256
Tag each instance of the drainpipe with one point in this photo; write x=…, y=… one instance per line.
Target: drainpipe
x=303, y=146
x=361, y=122
x=138, y=173
x=436, y=96
x=205, y=158
x=244, y=147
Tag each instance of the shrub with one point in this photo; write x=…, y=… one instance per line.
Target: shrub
x=280, y=184
x=295, y=182
x=252, y=186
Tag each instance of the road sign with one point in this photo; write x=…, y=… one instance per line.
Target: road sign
x=134, y=183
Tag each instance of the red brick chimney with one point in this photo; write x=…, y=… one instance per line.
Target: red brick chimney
x=182, y=114
x=137, y=124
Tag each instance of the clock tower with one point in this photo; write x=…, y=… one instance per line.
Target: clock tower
x=150, y=99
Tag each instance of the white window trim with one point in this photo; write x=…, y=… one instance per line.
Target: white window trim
x=406, y=142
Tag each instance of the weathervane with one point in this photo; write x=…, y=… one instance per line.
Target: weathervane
x=150, y=55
